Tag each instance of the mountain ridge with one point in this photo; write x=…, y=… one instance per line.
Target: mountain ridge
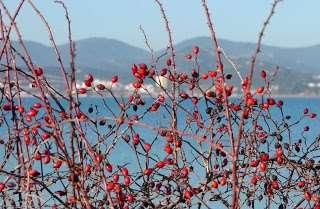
x=106, y=57
x=99, y=52
x=179, y=42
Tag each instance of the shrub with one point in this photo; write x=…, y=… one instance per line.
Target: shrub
x=193, y=144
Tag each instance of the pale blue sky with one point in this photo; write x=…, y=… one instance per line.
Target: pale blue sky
x=296, y=23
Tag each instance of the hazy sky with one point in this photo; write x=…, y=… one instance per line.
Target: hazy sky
x=296, y=22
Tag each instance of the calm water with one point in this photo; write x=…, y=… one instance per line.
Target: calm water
x=292, y=106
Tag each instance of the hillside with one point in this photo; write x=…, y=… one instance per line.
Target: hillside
x=106, y=57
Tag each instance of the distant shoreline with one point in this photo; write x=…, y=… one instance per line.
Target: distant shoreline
x=124, y=94
x=234, y=96
x=296, y=96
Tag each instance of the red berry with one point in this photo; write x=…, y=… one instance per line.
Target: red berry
x=263, y=74
x=260, y=89
x=264, y=157
x=101, y=87
x=87, y=83
x=163, y=71
x=236, y=107
x=169, y=62
x=251, y=101
x=254, y=180
x=46, y=159
x=229, y=89
x=114, y=79
x=301, y=184
x=82, y=90
x=37, y=156
x=130, y=198
x=212, y=73
x=279, y=160
x=115, y=177
x=38, y=71
x=307, y=195
x=184, y=172
x=223, y=181
x=2, y=186
x=254, y=163
x=263, y=166
x=313, y=115
x=110, y=186
x=143, y=66
x=279, y=153
x=134, y=68
x=109, y=167
x=57, y=164
x=87, y=168
x=98, y=158
x=214, y=184
x=124, y=171
x=117, y=188
x=161, y=98
x=81, y=116
x=135, y=139
x=195, y=50
x=37, y=105
x=280, y=103
x=89, y=78
x=20, y=109
x=265, y=106
x=139, y=74
x=187, y=195
x=188, y=56
x=168, y=161
x=271, y=101
x=7, y=107
x=127, y=180
x=32, y=112
x=33, y=173
x=147, y=147
x=46, y=151
x=204, y=76
x=136, y=85
x=275, y=185
x=317, y=206
x=183, y=95
x=168, y=149
x=45, y=135
x=160, y=164
x=148, y=171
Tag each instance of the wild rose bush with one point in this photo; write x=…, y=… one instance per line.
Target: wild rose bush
x=193, y=145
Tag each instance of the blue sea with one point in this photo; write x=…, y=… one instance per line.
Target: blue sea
x=123, y=153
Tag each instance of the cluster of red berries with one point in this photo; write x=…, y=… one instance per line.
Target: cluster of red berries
x=88, y=83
